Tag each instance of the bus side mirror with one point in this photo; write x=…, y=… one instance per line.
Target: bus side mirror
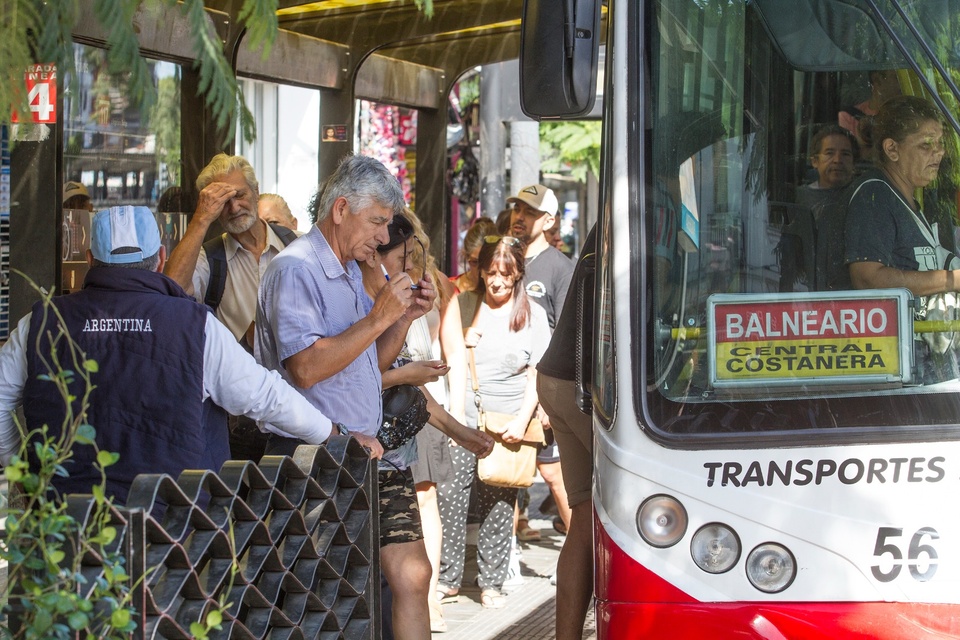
x=559, y=56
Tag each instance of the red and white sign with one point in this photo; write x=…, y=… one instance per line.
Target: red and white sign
x=41, y=84
x=802, y=339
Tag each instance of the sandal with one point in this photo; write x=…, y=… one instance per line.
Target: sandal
x=437, y=623
x=447, y=595
x=492, y=599
x=526, y=533
x=559, y=527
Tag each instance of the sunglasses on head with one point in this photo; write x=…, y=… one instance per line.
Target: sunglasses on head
x=510, y=241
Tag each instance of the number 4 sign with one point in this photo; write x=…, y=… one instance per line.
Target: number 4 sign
x=41, y=84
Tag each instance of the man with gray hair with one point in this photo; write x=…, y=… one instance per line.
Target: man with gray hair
x=319, y=329
x=166, y=368
x=224, y=272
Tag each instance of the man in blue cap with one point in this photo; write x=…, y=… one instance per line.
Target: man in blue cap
x=166, y=368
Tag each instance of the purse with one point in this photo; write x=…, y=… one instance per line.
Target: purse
x=509, y=464
x=404, y=414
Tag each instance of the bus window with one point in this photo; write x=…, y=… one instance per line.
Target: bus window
x=745, y=305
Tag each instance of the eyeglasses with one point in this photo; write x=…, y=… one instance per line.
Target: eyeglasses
x=510, y=241
x=423, y=254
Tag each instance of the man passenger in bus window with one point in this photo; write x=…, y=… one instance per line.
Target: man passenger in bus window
x=833, y=152
x=884, y=84
x=890, y=242
x=317, y=326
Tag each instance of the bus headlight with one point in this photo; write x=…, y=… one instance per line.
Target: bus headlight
x=661, y=521
x=771, y=567
x=715, y=548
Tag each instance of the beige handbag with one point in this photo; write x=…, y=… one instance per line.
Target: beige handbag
x=510, y=464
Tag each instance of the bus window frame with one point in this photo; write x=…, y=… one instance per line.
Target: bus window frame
x=733, y=409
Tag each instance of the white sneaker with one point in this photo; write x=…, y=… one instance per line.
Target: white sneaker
x=514, y=577
x=513, y=581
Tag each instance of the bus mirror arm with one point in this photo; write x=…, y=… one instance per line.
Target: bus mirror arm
x=569, y=27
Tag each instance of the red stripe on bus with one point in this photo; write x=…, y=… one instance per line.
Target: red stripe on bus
x=634, y=602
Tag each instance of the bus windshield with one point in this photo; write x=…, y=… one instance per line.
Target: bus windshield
x=799, y=269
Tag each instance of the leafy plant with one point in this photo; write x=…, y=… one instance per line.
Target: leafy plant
x=45, y=546
x=572, y=145
x=32, y=32
x=52, y=593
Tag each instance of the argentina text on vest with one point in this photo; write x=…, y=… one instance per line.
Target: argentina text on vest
x=141, y=325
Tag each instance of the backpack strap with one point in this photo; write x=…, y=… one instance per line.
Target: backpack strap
x=217, y=260
x=286, y=235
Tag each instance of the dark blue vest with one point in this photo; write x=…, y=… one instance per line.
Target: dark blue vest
x=147, y=337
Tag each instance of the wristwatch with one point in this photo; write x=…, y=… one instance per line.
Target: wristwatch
x=341, y=428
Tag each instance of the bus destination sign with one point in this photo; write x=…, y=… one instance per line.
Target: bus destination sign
x=823, y=338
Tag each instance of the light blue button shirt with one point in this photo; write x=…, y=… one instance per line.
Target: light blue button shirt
x=305, y=295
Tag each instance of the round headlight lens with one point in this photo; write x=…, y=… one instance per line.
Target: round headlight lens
x=771, y=568
x=715, y=548
x=661, y=521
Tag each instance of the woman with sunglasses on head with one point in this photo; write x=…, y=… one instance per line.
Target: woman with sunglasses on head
x=507, y=335
x=472, y=242
x=398, y=258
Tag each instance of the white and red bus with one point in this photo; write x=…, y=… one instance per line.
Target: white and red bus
x=769, y=460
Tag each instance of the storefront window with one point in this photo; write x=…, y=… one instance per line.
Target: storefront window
x=121, y=153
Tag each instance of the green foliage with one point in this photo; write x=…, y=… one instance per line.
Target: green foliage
x=260, y=16
x=217, y=81
x=27, y=26
x=44, y=545
x=426, y=6
x=469, y=91
x=47, y=550
x=123, y=48
x=571, y=145
x=17, y=18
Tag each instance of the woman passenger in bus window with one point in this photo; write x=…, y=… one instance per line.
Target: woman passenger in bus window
x=890, y=243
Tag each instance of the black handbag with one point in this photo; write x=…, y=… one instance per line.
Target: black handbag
x=404, y=414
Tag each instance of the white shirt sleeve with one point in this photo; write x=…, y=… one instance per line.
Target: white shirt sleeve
x=13, y=377
x=234, y=380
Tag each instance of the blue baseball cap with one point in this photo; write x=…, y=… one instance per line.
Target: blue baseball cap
x=121, y=235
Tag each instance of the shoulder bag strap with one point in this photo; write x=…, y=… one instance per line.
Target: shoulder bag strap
x=477, y=398
x=475, y=381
